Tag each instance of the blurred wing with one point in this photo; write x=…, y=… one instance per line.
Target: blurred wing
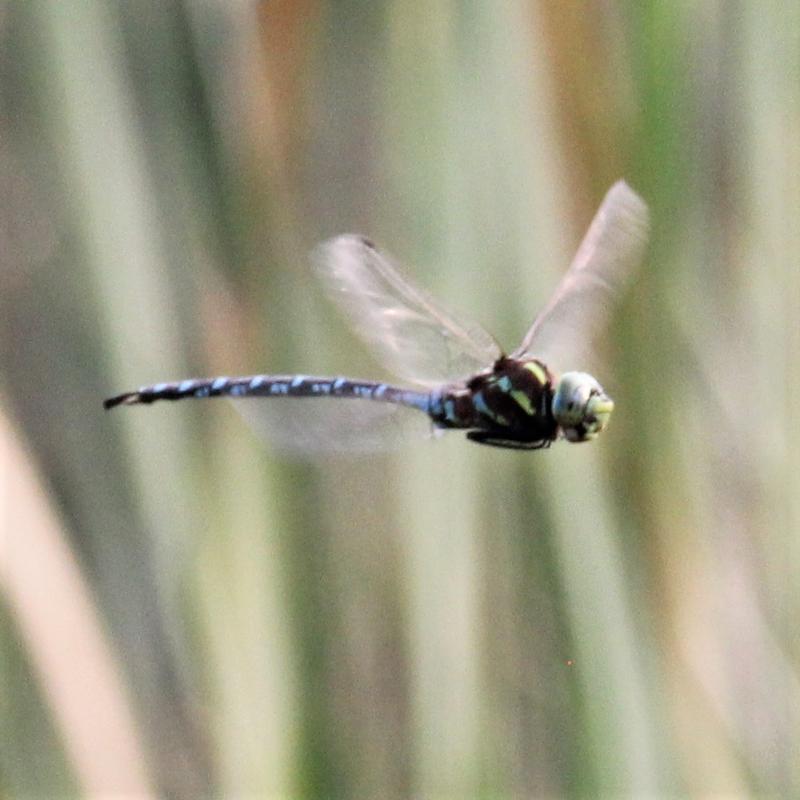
x=310, y=427
x=580, y=307
x=413, y=335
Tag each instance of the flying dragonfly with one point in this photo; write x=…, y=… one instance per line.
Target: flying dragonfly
x=461, y=378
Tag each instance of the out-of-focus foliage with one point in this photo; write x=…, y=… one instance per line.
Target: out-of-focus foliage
x=188, y=614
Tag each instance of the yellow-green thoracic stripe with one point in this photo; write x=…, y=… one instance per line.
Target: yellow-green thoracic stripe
x=523, y=401
x=538, y=371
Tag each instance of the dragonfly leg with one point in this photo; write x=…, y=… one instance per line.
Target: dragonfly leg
x=492, y=439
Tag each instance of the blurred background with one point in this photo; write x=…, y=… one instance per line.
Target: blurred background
x=188, y=613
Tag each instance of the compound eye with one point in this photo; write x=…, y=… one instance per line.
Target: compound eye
x=581, y=407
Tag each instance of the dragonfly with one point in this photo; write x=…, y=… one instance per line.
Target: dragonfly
x=460, y=378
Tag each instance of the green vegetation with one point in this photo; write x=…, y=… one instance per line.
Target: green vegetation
x=187, y=613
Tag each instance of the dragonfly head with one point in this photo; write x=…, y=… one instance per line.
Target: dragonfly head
x=581, y=407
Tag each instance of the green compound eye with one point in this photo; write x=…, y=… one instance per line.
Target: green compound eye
x=581, y=407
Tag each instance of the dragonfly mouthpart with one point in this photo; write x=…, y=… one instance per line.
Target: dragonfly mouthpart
x=581, y=407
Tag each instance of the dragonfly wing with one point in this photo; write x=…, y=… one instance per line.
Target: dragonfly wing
x=610, y=252
x=415, y=337
x=318, y=426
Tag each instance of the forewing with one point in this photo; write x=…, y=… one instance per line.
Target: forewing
x=414, y=336
x=609, y=254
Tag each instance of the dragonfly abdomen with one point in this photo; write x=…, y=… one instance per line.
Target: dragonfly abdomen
x=274, y=386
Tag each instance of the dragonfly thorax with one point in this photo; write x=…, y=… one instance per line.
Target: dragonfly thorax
x=508, y=405
x=580, y=406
